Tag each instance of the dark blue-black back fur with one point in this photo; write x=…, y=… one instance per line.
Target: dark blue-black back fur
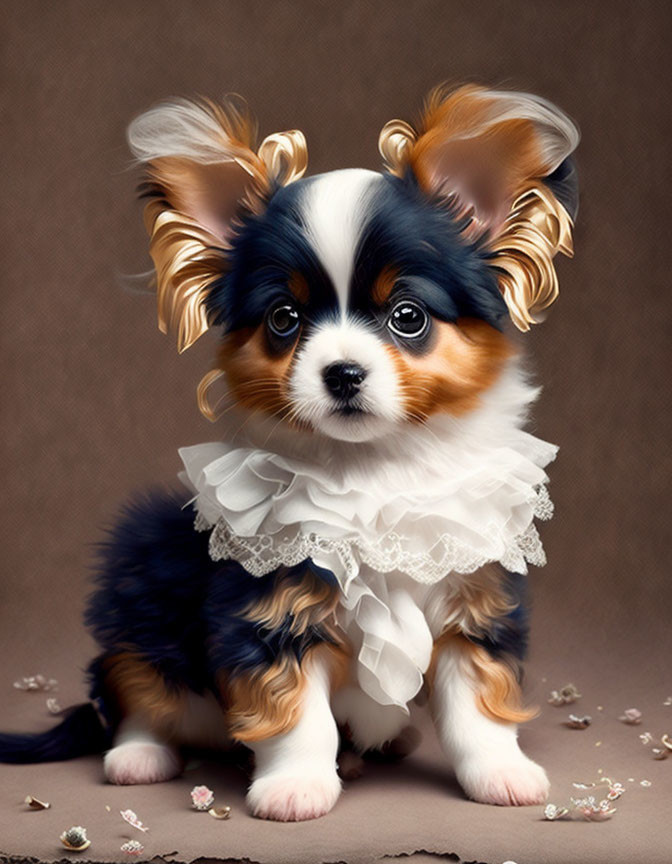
x=162, y=597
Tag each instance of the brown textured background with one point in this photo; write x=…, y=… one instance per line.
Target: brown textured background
x=95, y=401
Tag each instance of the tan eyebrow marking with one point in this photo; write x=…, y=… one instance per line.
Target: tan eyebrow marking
x=299, y=287
x=382, y=287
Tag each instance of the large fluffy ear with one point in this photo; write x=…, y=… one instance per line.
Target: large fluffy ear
x=501, y=162
x=202, y=172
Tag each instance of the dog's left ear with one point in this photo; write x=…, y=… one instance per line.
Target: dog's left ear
x=500, y=163
x=202, y=173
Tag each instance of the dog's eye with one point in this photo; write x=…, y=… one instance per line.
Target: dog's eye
x=283, y=320
x=408, y=319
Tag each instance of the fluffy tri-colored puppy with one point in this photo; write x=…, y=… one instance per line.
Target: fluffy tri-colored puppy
x=363, y=526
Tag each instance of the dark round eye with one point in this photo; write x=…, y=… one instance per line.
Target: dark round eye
x=408, y=319
x=283, y=320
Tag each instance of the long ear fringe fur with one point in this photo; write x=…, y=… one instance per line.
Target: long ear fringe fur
x=536, y=229
x=187, y=259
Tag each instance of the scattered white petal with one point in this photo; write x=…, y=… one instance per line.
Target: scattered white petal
x=615, y=791
x=133, y=847
x=646, y=738
x=644, y=782
x=130, y=817
x=553, y=812
x=52, y=706
x=36, y=682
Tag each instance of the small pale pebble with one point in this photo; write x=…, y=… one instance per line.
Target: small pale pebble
x=576, y=722
x=631, y=779
x=644, y=782
x=52, y=706
x=600, y=707
x=599, y=770
x=108, y=808
x=598, y=743
x=668, y=702
x=633, y=716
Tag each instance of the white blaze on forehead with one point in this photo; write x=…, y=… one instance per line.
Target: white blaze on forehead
x=334, y=209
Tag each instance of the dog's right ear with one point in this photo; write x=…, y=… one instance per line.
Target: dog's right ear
x=202, y=173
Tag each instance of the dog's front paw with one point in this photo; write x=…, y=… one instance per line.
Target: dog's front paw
x=511, y=781
x=138, y=762
x=286, y=798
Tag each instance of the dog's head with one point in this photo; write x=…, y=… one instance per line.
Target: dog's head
x=355, y=301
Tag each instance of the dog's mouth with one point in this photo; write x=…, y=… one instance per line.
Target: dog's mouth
x=349, y=410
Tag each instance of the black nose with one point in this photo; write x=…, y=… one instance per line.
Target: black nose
x=343, y=379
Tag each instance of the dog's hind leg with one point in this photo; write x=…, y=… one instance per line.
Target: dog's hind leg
x=148, y=714
x=140, y=756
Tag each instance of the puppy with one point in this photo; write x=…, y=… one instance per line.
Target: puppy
x=362, y=526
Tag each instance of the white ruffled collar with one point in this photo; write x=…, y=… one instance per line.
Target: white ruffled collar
x=430, y=502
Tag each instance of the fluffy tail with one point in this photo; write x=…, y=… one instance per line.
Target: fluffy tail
x=80, y=733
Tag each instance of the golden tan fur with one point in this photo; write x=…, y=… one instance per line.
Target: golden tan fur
x=307, y=599
x=470, y=608
x=465, y=360
x=256, y=377
x=497, y=691
x=382, y=287
x=475, y=603
x=136, y=688
x=267, y=701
